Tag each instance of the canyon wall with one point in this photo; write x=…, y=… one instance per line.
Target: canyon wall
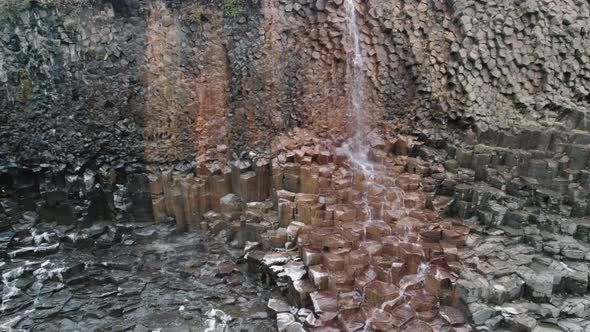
x=228, y=116
x=95, y=96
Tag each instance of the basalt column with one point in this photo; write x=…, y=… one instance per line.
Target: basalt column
x=169, y=116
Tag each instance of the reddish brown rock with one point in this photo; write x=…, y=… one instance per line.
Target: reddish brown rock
x=225, y=269
x=286, y=212
x=319, y=277
x=381, y=320
x=291, y=177
x=364, y=276
x=300, y=290
x=349, y=300
x=218, y=186
x=333, y=261
x=263, y=179
x=402, y=315
x=248, y=186
x=397, y=271
x=418, y=326
x=371, y=248
x=311, y=256
x=378, y=292
x=376, y=230
x=351, y=320
x=239, y=167
x=341, y=281
x=437, y=279
x=412, y=255
x=356, y=260
x=178, y=208
x=325, y=304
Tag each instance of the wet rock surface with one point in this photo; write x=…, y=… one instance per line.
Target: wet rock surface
x=513, y=283
x=363, y=250
x=142, y=111
x=124, y=277
x=526, y=261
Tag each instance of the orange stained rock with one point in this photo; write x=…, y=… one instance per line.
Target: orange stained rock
x=248, y=186
x=351, y=320
x=333, y=261
x=263, y=179
x=356, y=258
x=413, y=255
x=325, y=302
x=311, y=256
x=371, y=248
x=364, y=276
x=380, y=320
x=423, y=301
x=398, y=260
x=341, y=281
x=319, y=277
x=353, y=232
x=411, y=282
x=318, y=236
x=437, y=280
x=378, y=292
x=418, y=325
x=376, y=230
x=286, y=212
x=349, y=300
x=295, y=227
x=335, y=241
x=344, y=214
x=322, y=222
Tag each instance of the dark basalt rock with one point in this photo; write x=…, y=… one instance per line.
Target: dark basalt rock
x=118, y=114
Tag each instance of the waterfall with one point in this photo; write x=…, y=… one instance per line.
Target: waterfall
x=356, y=148
x=356, y=64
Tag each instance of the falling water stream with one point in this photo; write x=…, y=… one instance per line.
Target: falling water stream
x=356, y=148
x=356, y=64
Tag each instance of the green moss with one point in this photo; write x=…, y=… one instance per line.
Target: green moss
x=195, y=13
x=267, y=43
x=10, y=8
x=24, y=90
x=112, y=177
x=234, y=8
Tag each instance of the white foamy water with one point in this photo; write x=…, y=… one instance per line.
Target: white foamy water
x=356, y=65
x=356, y=148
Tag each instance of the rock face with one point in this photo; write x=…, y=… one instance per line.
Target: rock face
x=108, y=88
x=191, y=112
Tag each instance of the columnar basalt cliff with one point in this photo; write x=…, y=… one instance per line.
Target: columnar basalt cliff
x=384, y=165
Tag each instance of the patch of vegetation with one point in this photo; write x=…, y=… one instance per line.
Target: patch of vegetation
x=234, y=8
x=24, y=90
x=196, y=13
x=12, y=7
x=268, y=43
